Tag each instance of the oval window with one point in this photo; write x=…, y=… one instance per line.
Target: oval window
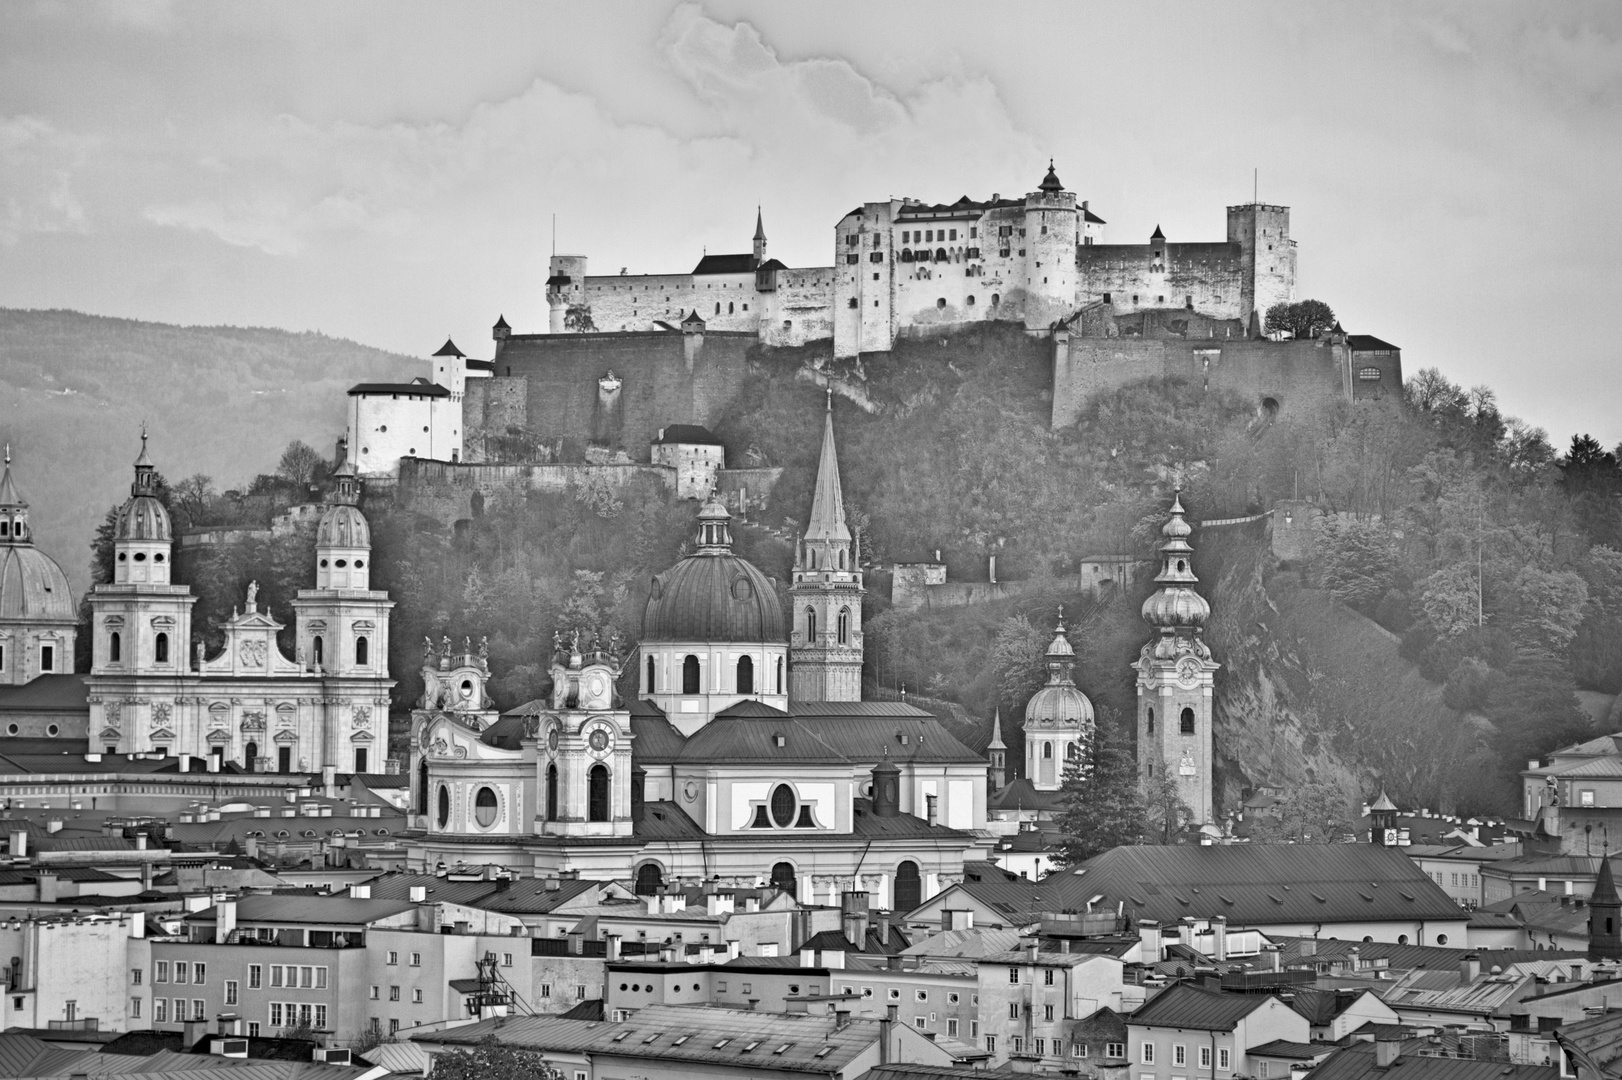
x=444, y=806
x=656, y=590
x=783, y=806
x=741, y=589
x=484, y=807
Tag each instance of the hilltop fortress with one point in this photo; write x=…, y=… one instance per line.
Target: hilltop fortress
x=626, y=356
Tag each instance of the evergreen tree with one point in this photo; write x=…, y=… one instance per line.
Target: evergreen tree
x=1103, y=807
x=491, y=1060
x=1167, y=816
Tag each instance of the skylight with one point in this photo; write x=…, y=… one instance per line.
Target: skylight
x=749, y=1047
x=780, y=1049
x=720, y=1044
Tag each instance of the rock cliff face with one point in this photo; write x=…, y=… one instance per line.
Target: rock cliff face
x=1311, y=690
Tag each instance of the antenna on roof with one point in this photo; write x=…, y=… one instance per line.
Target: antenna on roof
x=1256, y=186
x=554, y=233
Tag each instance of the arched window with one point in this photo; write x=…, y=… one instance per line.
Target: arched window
x=361, y=650
x=444, y=806
x=689, y=675
x=784, y=880
x=484, y=807
x=841, y=558
x=250, y=756
x=422, y=787
x=649, y=879
x=940, y=302
x=746, y=675
x=729, y=307
x=1149, y=714
x=1047, y=750
x=1072, y=751
x=1188, y=721
x=597, y=793
x=160, y=649
x=650, y=674
x=909, y=887
x=718, y=307
x=316, y=654
x=844, y=626
x=551, y=793
x=811, y=626
x=779, y=683
x=115, y=648
x=996, y=298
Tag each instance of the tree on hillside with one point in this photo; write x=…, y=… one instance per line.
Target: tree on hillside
x=1314, y=813
x=1533, y=707
x=1358, y=560
x=1166, y=816
x=1303, y=319
x=1102, y=804
x=302, y=464
x=577, y=319
x=492, y=1060
x=194, y=495
x=1017, y=658
x=1429, y=391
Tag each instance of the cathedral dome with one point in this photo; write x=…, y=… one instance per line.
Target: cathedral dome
x=1060, y=704
x=343, y=526
x=142, y=517
x=32, y=586
x=713, y=595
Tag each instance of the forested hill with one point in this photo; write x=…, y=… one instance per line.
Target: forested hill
x=219, y=400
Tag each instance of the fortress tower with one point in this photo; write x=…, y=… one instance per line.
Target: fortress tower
x=565, y=288
x=825, y=643
x=1176, y=676
x=1267, y=256
x=1052, y=232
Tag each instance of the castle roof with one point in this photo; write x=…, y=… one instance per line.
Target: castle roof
x=1157, y=234
x=771, y=264
x=760, y=225
x=691, y=434
x=1369, y=343
x=419, y=386
x=501, y=323
x=1050, y=182
x=828, y=501
x=449, y=349
x=965, y=207
x=726, y=264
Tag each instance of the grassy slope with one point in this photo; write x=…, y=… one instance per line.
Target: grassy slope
x=75, y=389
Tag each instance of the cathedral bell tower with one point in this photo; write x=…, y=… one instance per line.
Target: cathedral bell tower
x=825, y=643
x=1176, y=676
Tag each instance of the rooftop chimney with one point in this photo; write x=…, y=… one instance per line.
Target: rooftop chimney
x=1470, y=968
x=19, y=843
x=47, y=888
x=225, y=919
x=1386, y=1052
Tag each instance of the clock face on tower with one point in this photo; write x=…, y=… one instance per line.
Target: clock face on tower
x=1188, y=671
x=552, y=740
x=598, y=739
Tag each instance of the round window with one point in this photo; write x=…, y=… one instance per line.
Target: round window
x=340, y=563
x=158, y=557
x=444, y=806
x=484, y=807
x=359, y=563
x=52, y=731
x=323, y=564
x=11, y=729
x=140, y=556
x=783, y=806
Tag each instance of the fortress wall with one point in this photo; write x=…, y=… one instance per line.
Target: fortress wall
x=450, y=491
x=1297, y=375
x=1212, y=274
x=660, y=385
x=633, y=302
x=803, y=300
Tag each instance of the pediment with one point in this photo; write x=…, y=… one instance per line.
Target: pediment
x=218, y=735
x=361, y=736
x=161, y=735
x=284, y=737
x=110, y=733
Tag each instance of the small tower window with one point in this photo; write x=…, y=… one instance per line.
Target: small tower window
x=1188, y=721
x=746, y=675
x=115, y=648
x=362, y=648
x=47, y=658
x=597, y=793
x=779, y=683
x=650, y=674
x=160, y=649
x=811, y=626
x=1149, y=715
x=844, y=626
x=551, y=793
x=1047, y=751
x=315, y=650
x=444, y=806
x=689, y=675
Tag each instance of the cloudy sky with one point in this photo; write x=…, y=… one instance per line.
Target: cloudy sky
x=390, y=172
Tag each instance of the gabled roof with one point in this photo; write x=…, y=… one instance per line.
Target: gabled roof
x=771, y=264
x=1185, y=1006
x=655, y=740
x=324, y=910
x=527, y=896
x=743, y=263
x=1356, y=1062
x=734, y=739
x=1021, y=794
x=449, y=349
x=1258, y=884
x=1369, y=343
x=687, y=433
x=421, y=388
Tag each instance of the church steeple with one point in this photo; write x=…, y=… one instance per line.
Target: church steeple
x=13, y=509
x=760, y=238
x=1605, y=916
x=825, y=658
x=996, y=755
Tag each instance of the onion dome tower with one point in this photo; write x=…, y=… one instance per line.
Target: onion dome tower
x=1058, y=718
x=826, y=638
x=1176, y=675
x=38, y=618
x=342, y=630
x=142, y=626
x=712, y=632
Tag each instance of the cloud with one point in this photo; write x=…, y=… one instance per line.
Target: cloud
x=37, y=166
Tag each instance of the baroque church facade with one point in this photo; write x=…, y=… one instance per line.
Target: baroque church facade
x=746, y=756
x=151, y=692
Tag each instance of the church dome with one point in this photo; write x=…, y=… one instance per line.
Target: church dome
x=1061, y=704
x=1176, y=603
x=1176, y=606
x=32, y=586
x=343, y=526
x=142, y=517
x=713, y=595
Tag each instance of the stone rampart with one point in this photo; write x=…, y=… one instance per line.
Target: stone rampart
x=450, y=490
x=1279, y=375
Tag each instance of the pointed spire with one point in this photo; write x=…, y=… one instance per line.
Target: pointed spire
x=760, y=225
x=1050, y=182
x=828, y=503
x=145, y=472
x=449, y=349
x=1157, y=234
x=1605, y=885
x=9, y=496
x=996, y=742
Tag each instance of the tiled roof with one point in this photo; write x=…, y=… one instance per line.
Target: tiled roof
x=662, y=820
x=690, y=1035
x=655, y=740
x=687, y=433
x=743, y=263
x=66, y=692
x=1369, y=343
x=1404, y=957
x=327, y=910
x=421, y=389
x=520, y=896
x=1257, y=884
x=848, y=738
x=1284, y=1048
x=1022, y=795
x=1185, y=1006
x=1356, y=1062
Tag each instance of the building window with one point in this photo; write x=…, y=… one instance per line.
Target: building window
x=689, y=675
x=1013, y=1010
x=1222, y=1057
x=1017, y=1044
x=1179, y=1055
x=376, y=992
x=1585, y=797
x=1205, y=1057
x=1187, y=719
x=255, y=976
x=115, y=648
x=199, y=974
x=597, y=793
x=484, y=807
x=1148, y=1053
x=783, y=804
x=135, y=1006
x=315, y=649
x=991, y=1044
x=551, y=793
x=394, y=993
x=1013, y=975
x=1113, y=1050
x=416, y=997
x=1368, y=374
x=650, y=674
x=444, y=806
x=416, y=959
x=230, y=991
x=811, y=619
x=160, y=649
x=746, y=675
x=160, y=1009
